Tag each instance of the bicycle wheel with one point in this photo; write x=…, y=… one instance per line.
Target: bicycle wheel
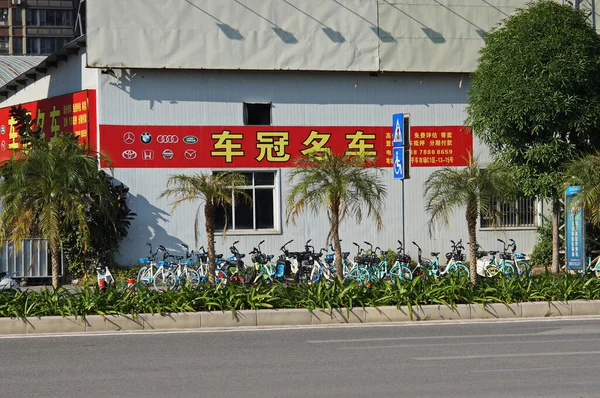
x=400, y=272
x=508, y=270
x=190, y=278
x=491, y=270
x=144, y=277
x=358, y=274
x=523, y=268
x=459, y=269
x=164, y=280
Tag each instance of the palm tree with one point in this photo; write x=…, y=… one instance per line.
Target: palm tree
x=585, y=171
x=212, y=191
x=47, y=186
x=473, y=187
x=341, y=184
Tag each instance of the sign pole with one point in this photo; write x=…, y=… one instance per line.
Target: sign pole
x=403, y=223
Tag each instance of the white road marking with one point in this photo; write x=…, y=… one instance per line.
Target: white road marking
x=517, y=355
x=533, y=369
x=417, y=345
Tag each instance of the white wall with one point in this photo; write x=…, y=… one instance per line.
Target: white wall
x=67, y=77
x=161, y=97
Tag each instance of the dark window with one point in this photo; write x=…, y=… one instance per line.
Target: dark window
x=257, y=114
x=253, y=211
x=17, y=45
x=32, y=18
x=17, y=17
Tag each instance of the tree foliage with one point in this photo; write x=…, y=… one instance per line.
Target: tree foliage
x=535, y=96
x=474, y=188
x=108, y=225
x=211, y=191
x=340, y=184
x=47, y=186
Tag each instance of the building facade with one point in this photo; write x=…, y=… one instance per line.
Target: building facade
x=260, y=85
x=36, y=27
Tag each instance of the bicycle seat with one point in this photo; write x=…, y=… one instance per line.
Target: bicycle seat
x=493, y=253
x=219, y=256
x=178, y=257
x=270, y=256
x=345, y=254
x=435, y=254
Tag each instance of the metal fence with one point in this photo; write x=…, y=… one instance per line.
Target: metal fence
x=29, y=259
x=520, y=213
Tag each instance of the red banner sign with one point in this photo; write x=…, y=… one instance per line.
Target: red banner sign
x=270, y=146
x=237, y=146
x=434, y=146
x=71, y=113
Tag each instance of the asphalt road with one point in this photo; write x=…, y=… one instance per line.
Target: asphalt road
x=539, y=358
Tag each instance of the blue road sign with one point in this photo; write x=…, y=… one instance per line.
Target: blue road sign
x=399, y=163
x=575, y=228
x=398, y=129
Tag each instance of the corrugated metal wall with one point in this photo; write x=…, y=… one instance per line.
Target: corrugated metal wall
x=163, y=97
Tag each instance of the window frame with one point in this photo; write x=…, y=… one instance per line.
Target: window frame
x=277, y=205
x=535, y=216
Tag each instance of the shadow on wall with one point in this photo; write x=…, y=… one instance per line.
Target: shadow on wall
x=146, y=228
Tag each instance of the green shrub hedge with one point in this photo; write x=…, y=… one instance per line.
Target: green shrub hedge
x=446, y=291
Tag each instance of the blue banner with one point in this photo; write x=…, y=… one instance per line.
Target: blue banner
x=575, y=228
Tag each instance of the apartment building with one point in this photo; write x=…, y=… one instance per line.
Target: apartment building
x=36, y=27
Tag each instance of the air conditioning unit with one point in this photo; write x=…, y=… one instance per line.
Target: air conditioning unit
x=16, y=2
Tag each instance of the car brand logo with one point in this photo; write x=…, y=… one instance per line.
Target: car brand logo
x=168, y=154
x=128, y=138
x=147, y=154
x=167, y=139
x=190, y=139
x=190, y=154
x=3, y=129
x=145, y=138
x=129, y=154
x=3, y=146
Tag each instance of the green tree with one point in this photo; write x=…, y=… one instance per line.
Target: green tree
x=340, y=184
x=46, y=187
x=535, y=97
x=108, y=223
x=212, y=191
x=474, y=188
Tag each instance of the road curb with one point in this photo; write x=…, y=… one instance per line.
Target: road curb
x=294, y=317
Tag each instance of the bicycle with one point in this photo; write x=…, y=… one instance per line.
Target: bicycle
x=162, y=278
x=263, y=268
x=232, y=269
x=510, y=263
x=401, y=269
x=453, y=267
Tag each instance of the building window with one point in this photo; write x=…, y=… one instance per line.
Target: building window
x=49, y=17
x=257, y=114
x=3, y=16
x=520, y=213
x=45, y=45
x=17, y=17
x=257, y=210
x=17, y=43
